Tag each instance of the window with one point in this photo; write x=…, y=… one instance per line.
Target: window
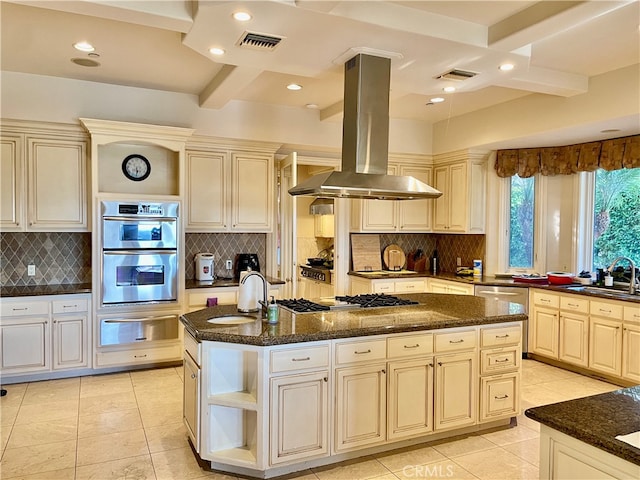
x=616, y=217
x=521, y=222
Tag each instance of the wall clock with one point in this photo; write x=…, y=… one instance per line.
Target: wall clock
x=136, y=167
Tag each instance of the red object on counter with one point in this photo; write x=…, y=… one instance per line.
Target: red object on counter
x=560, y=278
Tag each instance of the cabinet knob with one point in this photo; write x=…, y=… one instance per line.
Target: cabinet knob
x=325, y=379
x=193, y=375
x=383, y=371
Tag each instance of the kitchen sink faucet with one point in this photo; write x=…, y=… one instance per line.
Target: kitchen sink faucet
x=632, y=283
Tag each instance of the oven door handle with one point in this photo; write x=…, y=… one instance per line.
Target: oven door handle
x=140, y=219
x=143, y=319
x=170, y=251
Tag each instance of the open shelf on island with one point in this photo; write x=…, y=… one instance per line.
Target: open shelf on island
x=246, y=400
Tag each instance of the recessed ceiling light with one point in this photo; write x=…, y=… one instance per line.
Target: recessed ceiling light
x=610, y=130
x=505, y=67
x=294, y=86
x=311, y=105
x=436, y=100
x=449, y=89
x=84, y=47
x=216, y=51
x=242, y=16
x=85, y=62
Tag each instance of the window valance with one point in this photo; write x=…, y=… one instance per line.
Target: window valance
x=611, y=154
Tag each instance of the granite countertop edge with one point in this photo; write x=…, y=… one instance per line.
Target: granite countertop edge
x=609, y=416
x=42, y=290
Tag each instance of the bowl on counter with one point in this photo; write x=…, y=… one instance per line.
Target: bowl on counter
x=560, y=278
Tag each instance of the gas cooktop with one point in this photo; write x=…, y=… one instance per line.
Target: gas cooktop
x=345, y=301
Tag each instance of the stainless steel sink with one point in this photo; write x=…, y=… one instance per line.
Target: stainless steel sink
x=601, y=291
x=232, y=320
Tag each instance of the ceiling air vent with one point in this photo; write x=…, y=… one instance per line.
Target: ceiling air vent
x=259, y=41
x=456, y=74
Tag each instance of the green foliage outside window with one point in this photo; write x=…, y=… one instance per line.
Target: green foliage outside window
x=521, y=222
x=616, y=221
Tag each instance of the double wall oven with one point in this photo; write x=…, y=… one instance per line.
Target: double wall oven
x=139, y=271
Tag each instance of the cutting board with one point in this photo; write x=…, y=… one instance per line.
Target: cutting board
x=365, y=253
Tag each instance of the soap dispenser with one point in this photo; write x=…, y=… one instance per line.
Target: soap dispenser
x=272, y=311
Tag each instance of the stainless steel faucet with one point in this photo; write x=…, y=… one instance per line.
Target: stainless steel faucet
x=632, y=283
x=264, y=286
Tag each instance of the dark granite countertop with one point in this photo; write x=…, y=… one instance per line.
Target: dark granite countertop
x=434, y=311
x=597, y=420
x=225, y=282
x=39, y=290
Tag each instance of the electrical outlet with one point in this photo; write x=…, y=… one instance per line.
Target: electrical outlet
x=31, y=270
x=458, y=261
x=228, y=265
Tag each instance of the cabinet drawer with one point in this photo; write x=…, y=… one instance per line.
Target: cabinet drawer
x=462, y=340
x=574, y=304
x=632, y=313
x=192, y=347
x=500, y=360
x=409, y=287
x=495, y=337
x=70, y=306
x=612, y=311
x=299, y=359
x=361, y=351
x=499, y=396
x=409, y=345
x=21, y=309
x=142, y=356
x=383, y=287
x=546, y=299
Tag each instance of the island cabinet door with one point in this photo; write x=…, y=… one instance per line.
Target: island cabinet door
x=191, y=400
x=299, y=425
x=410, y=398
x=455, y=390
x=360, y=406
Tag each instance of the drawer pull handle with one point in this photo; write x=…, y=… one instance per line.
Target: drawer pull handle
x=361, y=353
x=70, y=306
x=545, y=300
x=412, y=346
x=20, y=309
x=300, y=359
x=139, y=339
x=503, y=360
x=457, y=341
x=140, y=356
x=506, y=335
x=574, y=305
x=503, y=397
x=604, y=311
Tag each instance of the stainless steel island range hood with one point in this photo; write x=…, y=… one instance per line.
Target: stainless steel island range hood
x=365, y=141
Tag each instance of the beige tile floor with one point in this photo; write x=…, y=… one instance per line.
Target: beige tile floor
x=129, y=426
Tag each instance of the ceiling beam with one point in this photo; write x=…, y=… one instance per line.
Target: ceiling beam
x=226, y=85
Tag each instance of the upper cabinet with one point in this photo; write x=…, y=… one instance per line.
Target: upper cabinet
x=229, y=189
x=44, y=184
x=406, y=216
x=462, y=178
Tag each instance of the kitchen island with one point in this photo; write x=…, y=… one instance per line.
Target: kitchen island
x=318, y=388
x=578, y=437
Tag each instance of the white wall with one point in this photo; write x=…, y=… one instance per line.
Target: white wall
x=42, y=98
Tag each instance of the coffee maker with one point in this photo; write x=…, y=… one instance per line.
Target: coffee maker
x=245, y=261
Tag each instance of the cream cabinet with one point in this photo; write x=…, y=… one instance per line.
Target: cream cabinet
x=229, y=191
x=462, y=180
x=45, y=334
x=544, y=321
x=574, y=330
x=631, y=343
x=391, y=286
x=436, y=285
x=313, y=289
x=360, y=413
x=44, y=183
x=300, y=422
x=605, y=337
x=191, y=399
x=412, y=216
x=456, y=393
x=12, y=183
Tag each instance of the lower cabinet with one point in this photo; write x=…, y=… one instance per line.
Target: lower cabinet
x=456, y=401
x=605, y=345
x=300, y=420
x=631, y=352
x=42, y=334
x=436, y=285
x=191, y=399
x=388, y=286
x=410, y=398
x=574, y=339
x=544, y=332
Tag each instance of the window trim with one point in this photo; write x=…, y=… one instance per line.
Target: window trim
x=583, y=222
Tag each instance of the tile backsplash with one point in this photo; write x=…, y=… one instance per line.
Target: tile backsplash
x=59, y=257
x=224, y=246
